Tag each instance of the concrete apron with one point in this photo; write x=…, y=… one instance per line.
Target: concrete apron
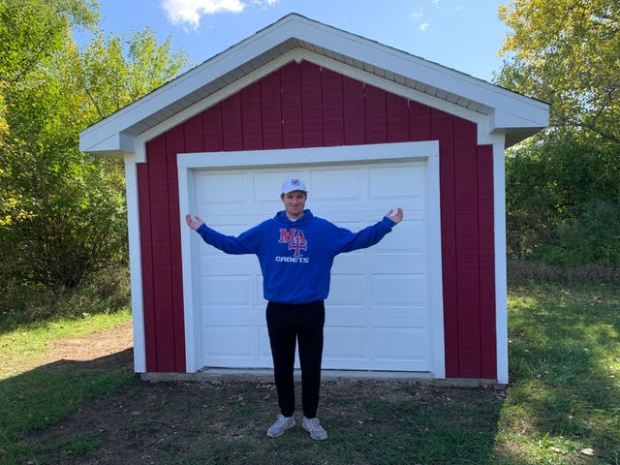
x=266, y=375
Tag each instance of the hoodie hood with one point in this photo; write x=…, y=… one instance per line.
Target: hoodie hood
x=305, y=219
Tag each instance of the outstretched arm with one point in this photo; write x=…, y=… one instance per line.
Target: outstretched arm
x=369, y=236
x=245, y=243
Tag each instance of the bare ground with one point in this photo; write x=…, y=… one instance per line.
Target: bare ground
x=223, y=421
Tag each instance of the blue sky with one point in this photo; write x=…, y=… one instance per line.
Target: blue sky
x=464, y=35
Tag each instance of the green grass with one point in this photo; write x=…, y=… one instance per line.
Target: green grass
x=34, y=396
x=564, y=398
x=564, y=395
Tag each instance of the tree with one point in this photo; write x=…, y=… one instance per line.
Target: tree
x=62, y=212
x=567, y=53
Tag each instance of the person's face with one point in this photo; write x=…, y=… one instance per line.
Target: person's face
x=294, y=203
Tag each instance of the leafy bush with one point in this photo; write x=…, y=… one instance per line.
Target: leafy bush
x=563, y=201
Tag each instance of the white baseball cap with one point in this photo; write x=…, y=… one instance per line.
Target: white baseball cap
x=293, y=184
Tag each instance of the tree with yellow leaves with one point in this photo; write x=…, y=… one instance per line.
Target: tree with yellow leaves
x=567, y=53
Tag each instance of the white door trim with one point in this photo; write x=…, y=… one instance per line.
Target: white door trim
x=429, y=150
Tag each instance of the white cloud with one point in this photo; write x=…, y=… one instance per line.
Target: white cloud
x=424, y=26
x=435, y=2
x=190, y=11
x=265, y=2
x=417, y=13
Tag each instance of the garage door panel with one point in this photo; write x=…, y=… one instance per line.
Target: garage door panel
x=347, y=289
x=384, y=263
x=408, y=291
x=221, y=264
x=398, y=317
x=226, y=290
x=345, y=343
x=213, y=188
x=398, y=263
x=407, y=236
x=394, y=344
x=343, y=315
x=334, y=185
x=232, y=316
x=392, y=181
x=230, y=341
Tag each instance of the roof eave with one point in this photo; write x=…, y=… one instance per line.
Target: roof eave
x=511, y=110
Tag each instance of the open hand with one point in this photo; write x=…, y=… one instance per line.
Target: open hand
x=395, y=217
x=193, y=222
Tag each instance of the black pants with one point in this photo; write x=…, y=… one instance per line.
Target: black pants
x=288, y=323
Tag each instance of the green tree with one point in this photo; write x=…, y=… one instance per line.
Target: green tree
x=63, y=211
x=563, y=186
x=567, y=53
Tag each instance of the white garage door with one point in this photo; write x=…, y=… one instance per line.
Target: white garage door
x=377, y=313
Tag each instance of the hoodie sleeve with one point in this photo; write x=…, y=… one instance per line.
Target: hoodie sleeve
x=246, y=243
x=347, y=241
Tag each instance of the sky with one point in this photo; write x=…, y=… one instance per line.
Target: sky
x=461, y=34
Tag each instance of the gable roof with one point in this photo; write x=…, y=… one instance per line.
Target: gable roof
x=515, y=115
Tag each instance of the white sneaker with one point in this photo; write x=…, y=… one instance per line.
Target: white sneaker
x=313, y=426
x=280, y=426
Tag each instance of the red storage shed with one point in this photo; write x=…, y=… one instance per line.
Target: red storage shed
x=369, y=128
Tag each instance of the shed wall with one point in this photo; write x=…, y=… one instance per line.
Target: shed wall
x=304, y=105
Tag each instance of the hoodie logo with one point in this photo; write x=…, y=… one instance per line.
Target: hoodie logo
x=295, y=240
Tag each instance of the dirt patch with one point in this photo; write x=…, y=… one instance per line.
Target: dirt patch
x=224, y=422
x=100, y=345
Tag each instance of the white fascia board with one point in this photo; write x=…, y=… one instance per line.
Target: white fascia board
x=115, y=144
x=502, y=119
x=324, y=36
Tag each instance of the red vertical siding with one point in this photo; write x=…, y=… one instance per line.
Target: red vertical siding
x=466, y=224
x=161, y=244
x=291, y=106
x=311, y=108
x=397, y=115
x=333, y=108
x=375, y=114
x=419, y=121
x=354, y=125
x=486, y=262
x=212, y=120
x=442, y=129
x=232, y=131
x=304, y=105
x=251, y=118
x=271, y=111
x=146, y=254
x=193, y=133
x=175, y=143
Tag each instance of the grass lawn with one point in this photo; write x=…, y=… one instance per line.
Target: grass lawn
x=562, y=406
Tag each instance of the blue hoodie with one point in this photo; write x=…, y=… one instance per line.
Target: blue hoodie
x=296, y=256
